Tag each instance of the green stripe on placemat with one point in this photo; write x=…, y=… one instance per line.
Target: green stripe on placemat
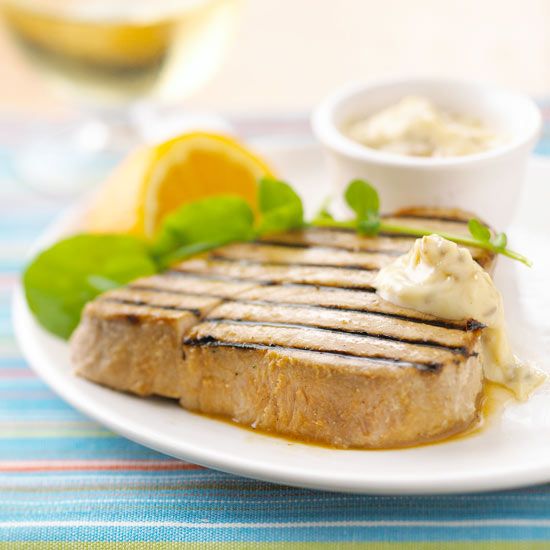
x=465, y=545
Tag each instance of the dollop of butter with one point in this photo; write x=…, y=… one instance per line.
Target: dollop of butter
x=440, y=278
x=416, y=127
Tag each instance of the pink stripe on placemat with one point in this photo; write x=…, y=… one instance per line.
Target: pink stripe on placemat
x=96, y=465
x=7, y=280
x=17, y=373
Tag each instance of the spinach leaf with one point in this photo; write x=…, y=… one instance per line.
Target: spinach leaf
x=280, y=206
x=202, y=225
x=60, y=280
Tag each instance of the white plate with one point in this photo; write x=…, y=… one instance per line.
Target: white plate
x=513, y=450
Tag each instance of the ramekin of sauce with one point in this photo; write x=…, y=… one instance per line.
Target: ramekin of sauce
x=431, y=142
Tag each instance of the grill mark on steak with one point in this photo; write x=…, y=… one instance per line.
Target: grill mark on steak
x=179, y=271
x=195, y=311
x=272, y=241
x=453, y=219
x=175, y=292
x=380, y=234
x=392, y=235
x=468, y=326
x=249, y=261
x=477, y=254
x=210, y=341
x=461, y=350
x=313, y=254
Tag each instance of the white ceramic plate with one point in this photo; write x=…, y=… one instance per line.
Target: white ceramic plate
x=513, y=450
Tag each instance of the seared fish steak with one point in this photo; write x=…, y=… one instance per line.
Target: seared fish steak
x=286, y=334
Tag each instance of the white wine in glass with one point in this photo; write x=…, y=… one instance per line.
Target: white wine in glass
x=113, y=51
x=118, y=60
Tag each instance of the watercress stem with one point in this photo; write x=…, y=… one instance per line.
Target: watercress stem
x=419, y=232
x=327, y=222
x=459, y=239
x=516, y=256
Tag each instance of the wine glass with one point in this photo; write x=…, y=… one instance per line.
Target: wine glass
x=118, y=61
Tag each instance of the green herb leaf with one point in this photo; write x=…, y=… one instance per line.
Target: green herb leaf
x=202, y=225
x=479, y=231
x=500, y=240
x=363, y=199
x=62, y=278
x=370, y=225
x=323, y=213
x=280, y=206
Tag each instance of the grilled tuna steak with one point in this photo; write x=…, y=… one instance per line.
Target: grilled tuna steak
x=286, y=334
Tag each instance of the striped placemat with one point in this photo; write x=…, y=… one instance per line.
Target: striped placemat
x=67, y=482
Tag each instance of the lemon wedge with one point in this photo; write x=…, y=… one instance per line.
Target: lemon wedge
x=154, y=181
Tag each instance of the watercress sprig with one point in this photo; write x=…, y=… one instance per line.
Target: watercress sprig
x=363, y=199
x=60, y=280
x=63, y=278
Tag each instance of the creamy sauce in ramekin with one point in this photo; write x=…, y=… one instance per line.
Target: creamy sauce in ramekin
x=417, y=127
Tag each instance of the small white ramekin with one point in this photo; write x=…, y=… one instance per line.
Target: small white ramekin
x=487, y=183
